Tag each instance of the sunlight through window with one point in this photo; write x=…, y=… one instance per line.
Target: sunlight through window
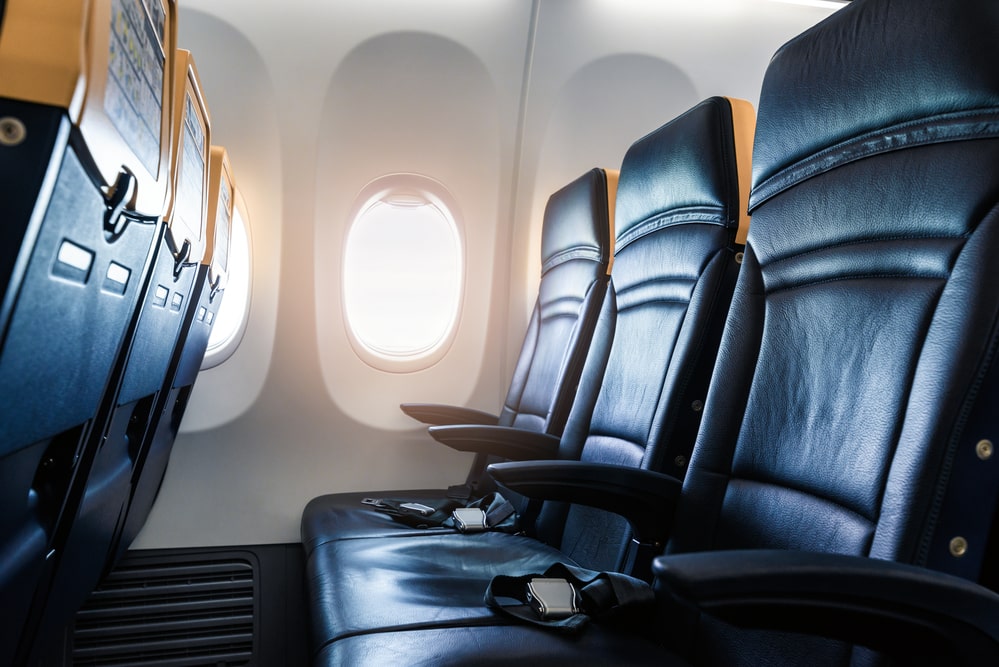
x=402, y=276
x=228, y=327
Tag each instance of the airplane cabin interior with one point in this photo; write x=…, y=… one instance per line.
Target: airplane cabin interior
x=505, y=332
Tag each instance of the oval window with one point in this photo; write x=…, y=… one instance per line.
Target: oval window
x=229, y=325
x=402, y=273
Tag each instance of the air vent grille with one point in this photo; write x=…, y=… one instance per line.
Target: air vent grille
x=170, y=613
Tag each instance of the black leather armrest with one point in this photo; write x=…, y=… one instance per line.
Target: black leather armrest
x=433, y=413
x=503, y=441
x=923, y=616
x=646, y=499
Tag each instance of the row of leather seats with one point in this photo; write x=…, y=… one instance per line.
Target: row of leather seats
x=114, y=257
x=839, y=502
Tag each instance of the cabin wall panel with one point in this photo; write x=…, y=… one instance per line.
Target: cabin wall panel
x=408, y=102
x=245, y=120
x=362, y=90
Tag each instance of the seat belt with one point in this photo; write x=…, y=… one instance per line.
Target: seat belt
x=491, y=512
x=565, y=598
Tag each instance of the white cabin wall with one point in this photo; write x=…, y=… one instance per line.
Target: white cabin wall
x=245, y=121
x=504, y=102
x=361, y=90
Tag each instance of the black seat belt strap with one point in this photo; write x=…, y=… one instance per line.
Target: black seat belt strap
x=593, y=595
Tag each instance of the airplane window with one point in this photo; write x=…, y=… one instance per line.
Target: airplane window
x=228, y=327
x=402, y=274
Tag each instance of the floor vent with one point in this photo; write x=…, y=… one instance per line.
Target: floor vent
x=170, y=612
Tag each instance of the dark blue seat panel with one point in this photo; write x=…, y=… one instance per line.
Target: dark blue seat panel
x=67, y=311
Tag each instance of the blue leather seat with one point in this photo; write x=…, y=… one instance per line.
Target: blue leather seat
x=82, y=185
x=153, y=452
x=575, y=263
x=576, y=236
x=676, y=260
x=854, y=387
x=129, y=405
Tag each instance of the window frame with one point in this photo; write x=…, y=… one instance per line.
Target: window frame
x=221, y=352
x=405, y=184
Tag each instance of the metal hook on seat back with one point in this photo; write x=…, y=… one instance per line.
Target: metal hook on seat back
x=115, y=220
x=215, y=285
x=180, y=258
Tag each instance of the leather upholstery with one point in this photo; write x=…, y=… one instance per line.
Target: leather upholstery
x=576, y=255
x=492, y=645
x=867, y=304
x=674, y=271
x=674, y=267
x=867, y=300
x=844, y=84
x=865, y=317
x=575, y=260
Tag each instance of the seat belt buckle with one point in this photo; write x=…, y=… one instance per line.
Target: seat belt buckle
x=419, y=508
x=552, y=599
x=469, y=519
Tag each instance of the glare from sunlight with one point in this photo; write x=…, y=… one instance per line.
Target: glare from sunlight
x=402, y=276
x=230, y=322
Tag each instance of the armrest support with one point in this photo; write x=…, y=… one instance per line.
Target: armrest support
x=433, y=413
x=646, y=499
x=503, y=441
x=908, y=611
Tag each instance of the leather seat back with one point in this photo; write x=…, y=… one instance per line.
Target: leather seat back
x=575, y=262
x=676, y=258
x=205, y=299
x=865, y=320
x=83, y=177
x=131, y=405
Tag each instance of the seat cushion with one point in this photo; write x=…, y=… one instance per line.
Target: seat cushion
x=344, y=516
x=431, y=580
x=494, y=645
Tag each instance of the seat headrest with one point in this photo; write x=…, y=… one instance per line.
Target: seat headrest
x=873, y=66
x=688, y=170
x=577, y=222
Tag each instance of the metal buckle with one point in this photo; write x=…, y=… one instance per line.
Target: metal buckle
x=419, y=508
x=552, y=599
x=469, y=519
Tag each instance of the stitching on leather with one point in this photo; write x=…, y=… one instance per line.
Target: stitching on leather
x=677, y=302
x=565, y=306
x=570, y=254
x=681, y=280
x=859, y=276
x=854, y=242
x=558, y=316
x=943, y=128
x=781, y=484
x=599, y=433
x=712, y=215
